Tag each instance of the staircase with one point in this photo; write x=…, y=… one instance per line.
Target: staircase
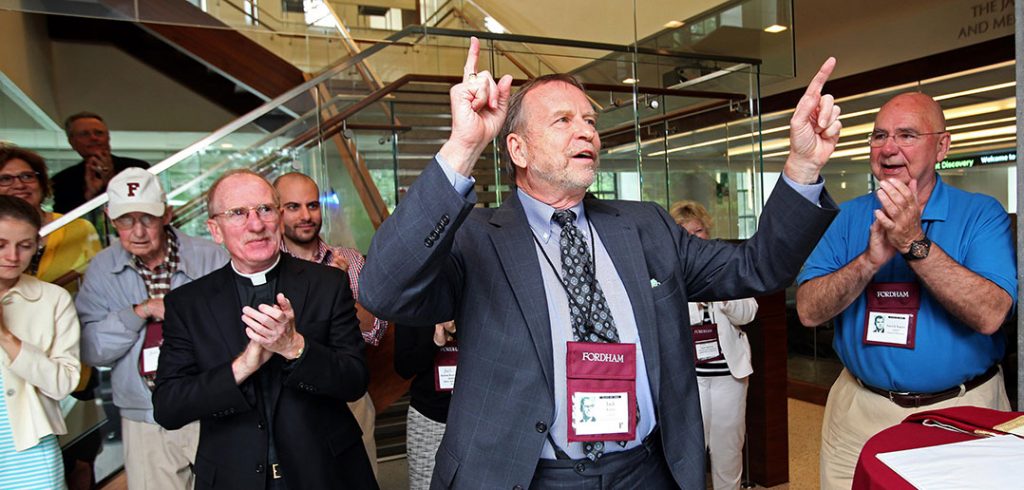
x=407, y=142
x=390, y=430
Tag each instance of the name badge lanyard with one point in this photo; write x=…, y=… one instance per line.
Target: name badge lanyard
x=565, y=287
x=621, y=438
x=708, y=318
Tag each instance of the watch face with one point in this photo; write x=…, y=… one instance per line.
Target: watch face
x=919, y=249
x=916, y=250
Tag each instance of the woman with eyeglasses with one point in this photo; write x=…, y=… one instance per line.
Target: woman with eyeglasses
x=39, y=365
x=65, y=253
x=61, y=259
x=722, y=353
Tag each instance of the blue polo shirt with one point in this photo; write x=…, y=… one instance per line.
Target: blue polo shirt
x=971, y=228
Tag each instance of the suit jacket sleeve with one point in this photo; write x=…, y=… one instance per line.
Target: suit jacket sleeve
x=333, y=363
x=412, y=275
x=107, y=334
x=740, y=311
x=185, y=393
x=787, y=232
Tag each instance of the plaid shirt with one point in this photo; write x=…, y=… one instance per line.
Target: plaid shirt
x=158, y=280
x=325, y=255
x=158, y=283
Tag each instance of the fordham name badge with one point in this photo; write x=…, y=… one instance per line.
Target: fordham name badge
x=601, y=390
x=891, y=316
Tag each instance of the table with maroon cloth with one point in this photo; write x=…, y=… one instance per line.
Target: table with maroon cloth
x=873, y=474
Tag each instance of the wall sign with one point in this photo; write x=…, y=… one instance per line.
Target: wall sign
x=988, y=15
x=976, y=160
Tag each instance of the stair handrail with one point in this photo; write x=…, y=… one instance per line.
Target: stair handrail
x=230, y=127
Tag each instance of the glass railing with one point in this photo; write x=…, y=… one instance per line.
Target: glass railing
x=369, y=145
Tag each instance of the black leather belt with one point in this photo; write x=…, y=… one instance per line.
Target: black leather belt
x=913, y=400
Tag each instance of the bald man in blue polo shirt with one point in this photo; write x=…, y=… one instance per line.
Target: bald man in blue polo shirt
x=933, y=265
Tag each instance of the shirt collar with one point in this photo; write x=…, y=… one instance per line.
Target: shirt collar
x=257, y=278
x=539, y=215
x=937, y=207
x=28, y=287
x=123, y=258
x=170, y=254
x=323, y=254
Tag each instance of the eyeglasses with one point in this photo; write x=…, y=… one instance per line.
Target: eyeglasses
x=127, y=222
x=238, y=216
x=902, y=138
x=7, y=180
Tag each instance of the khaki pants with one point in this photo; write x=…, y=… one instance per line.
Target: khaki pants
x=366, y=416
x=853, y=414
x=157, y=458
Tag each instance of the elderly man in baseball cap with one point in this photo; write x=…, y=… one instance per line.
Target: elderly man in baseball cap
x=121, y=308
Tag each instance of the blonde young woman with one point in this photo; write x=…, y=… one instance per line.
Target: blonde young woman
x=39, y=364
x=722, y=377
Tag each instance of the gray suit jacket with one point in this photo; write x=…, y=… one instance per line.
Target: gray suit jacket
x=438, y=258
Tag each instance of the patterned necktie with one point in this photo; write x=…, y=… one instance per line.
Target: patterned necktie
x=591, y=319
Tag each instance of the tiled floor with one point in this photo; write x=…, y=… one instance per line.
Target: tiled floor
x=804, y=443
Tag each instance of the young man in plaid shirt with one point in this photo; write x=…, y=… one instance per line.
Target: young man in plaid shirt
x=121, y=309
x=302, y=218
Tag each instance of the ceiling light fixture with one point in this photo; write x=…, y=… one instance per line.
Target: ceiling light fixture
x=953, y=113
x=975, y=90
x=981, y=123
x=674, y=24
x=775, y=29
x=985, y=142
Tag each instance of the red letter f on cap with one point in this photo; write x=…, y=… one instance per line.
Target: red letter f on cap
x=131, y=188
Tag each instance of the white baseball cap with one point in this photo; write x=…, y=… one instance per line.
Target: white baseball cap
x=135, y=189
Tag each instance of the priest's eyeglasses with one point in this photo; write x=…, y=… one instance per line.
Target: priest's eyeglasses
x=238, y=216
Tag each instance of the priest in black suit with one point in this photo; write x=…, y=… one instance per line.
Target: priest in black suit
x=265, y=352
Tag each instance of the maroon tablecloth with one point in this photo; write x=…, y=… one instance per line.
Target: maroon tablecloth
x=873, y=474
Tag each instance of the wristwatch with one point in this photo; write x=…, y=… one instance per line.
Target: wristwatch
x=918, y=249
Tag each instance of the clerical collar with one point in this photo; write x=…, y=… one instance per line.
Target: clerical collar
x=257, y=278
